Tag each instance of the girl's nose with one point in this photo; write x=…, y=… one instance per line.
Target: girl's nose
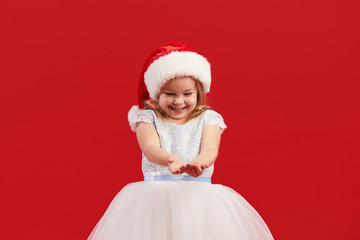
x=178, y=100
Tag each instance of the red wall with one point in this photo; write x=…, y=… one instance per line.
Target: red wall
x=285, y=78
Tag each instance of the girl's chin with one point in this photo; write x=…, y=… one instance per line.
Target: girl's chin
x=178, y=115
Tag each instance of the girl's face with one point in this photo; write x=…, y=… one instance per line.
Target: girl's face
x=178, y=97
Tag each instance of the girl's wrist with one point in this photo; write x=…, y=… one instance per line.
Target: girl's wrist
x=170, y=159
x=199, y=159
x=202, y=161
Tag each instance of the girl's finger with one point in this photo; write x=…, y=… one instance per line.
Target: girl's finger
x=203, y=166
x=183, y=167
x=198, y=170
x=188, y=170
x=193, y=171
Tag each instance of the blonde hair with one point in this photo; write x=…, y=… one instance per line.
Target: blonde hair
x=199, y=108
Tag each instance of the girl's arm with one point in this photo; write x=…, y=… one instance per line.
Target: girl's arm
x=210, y=142
x=149, y=143
x=209, y=149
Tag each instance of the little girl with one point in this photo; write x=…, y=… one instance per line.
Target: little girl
x=179, y=137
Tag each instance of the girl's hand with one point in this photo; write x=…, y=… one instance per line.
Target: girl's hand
x=195, y=168
x=176, y=165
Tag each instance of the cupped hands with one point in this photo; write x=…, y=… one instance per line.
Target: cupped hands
x=194, y=168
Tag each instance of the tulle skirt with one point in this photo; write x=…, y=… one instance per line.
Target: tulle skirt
x=179, y=210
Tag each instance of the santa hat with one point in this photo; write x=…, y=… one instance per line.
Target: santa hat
x=167, y=62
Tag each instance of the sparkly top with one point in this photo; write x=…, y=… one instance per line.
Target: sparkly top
x=182, y=141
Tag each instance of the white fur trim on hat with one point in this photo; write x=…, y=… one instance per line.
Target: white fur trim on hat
x=177, y=64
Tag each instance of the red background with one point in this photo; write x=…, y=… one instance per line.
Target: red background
x=285, y=79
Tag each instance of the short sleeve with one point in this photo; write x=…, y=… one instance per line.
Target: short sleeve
x=147, y=116
x=214, y=118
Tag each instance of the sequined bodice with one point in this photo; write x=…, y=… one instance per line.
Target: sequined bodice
x=182, y=141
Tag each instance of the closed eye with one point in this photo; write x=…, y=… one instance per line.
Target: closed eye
x=169, y=94
x=188, y=94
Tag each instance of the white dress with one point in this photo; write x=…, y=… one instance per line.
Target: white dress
x=179, y=207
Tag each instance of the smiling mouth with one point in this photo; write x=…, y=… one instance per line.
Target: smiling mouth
x=177, y=109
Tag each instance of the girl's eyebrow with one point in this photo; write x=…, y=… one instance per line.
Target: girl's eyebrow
x=187, y=90
x=167, y=89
